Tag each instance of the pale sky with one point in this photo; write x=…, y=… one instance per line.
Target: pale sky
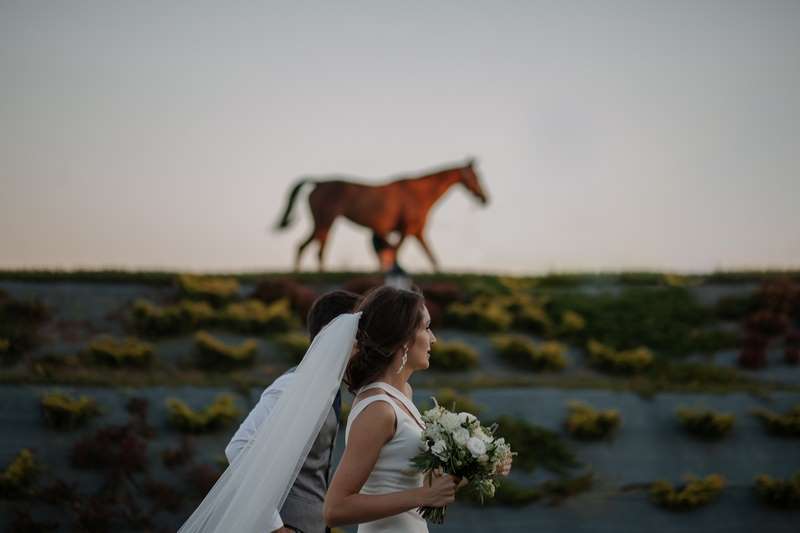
x=609, y=135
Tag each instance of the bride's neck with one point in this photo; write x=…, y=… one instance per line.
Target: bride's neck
x=398, y=381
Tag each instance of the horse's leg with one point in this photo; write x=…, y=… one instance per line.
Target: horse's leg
x=321, y=235
x=421, y=238
x=300, y=251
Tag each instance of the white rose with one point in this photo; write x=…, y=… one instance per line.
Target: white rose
x=466, y=417
x=450, y=421
x=479, y=433
x=438, y=448
x=476, y=446
x=461, y=436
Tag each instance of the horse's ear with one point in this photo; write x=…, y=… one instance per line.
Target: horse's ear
x=471, y=162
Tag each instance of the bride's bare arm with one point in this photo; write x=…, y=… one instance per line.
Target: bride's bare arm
x=373, y=428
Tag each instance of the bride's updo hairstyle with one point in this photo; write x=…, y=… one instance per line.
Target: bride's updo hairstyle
x=389, y=319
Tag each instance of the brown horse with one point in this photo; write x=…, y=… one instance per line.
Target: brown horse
x=399, y=206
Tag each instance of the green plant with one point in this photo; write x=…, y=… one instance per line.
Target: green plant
x=584, y=422
x=215, y=289
x=221, y=412
x=482, y=314
x=61, y=411
x=150, y=319
x=537, y=446
x=294, y=344
x=777, y=492
x=695, y=493
x=625, y=362
x=127, y=352
x=213, y=353
x=18, y=477
x=787, y=425
x=254, y=316
x=454, y=355
x=524, y=353
x=705, y=424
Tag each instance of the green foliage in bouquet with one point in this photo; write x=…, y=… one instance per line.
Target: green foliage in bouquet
x=482, y=314
x=631, y=361
x=212, y=353
x=787, y=425
x=107, y=350
x=695, y=493
x=220, y=413
x=452, y=400
x=294, y=344
x=524, y=353
x=215, y=290
x=586, y=423
x=784, y=494
x=61, y=411
x=536, y=446
x=254, y=316
x=186, y=315
x=18, y=477
x=705, y=424
x=454, y=355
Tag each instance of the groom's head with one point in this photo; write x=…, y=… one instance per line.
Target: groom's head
x=327, y=307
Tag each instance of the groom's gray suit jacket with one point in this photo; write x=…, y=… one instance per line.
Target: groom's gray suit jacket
x=303, y=506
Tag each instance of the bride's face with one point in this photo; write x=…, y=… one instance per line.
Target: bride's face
x=419, y=352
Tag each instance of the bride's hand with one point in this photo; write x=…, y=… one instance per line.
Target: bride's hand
x=440, y=489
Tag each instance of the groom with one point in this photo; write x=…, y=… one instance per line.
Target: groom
x=302, y=510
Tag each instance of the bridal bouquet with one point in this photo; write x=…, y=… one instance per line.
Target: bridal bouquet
x=458, y=444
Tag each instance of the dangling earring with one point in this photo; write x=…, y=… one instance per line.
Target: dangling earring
x=405, y=358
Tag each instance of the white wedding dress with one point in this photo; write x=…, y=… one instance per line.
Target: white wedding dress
x=393, y=471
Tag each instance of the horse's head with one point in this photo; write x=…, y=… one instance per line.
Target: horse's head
x=469, y=178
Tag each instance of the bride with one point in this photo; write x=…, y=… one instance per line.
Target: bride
x=389, y=338
x=375, y=484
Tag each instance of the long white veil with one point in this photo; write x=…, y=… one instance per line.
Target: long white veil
x=246, y=496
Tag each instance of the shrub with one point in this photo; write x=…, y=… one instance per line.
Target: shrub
x=787, y=425
x=705, y=424
x=344, y=414
x=254, y=316
x=522, y=352
x=300, y=297
x=214, y=289
x=450, y=399
x=695, y=493
x=64, y=412
x=624, y=362
x=537, y=447
x=179, y=456
x=664, y=319
x=571, y=323
x=186, y=315
x=18, y=477
x=735, y=307
x=294, y=344
x=586, y=423
x=19, y=322
x=454, y=355
x=532, y=317
x=202, y=477
x=128, y=352
x=213, y=353
x=754, y=352
x=777, y=492
x=117, y=448
x=221, y=412
x=482, y=314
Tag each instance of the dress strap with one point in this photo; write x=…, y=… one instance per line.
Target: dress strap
x=395, y=393
x=363, y=403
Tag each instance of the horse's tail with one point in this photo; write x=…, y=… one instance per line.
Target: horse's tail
x=285, y=221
